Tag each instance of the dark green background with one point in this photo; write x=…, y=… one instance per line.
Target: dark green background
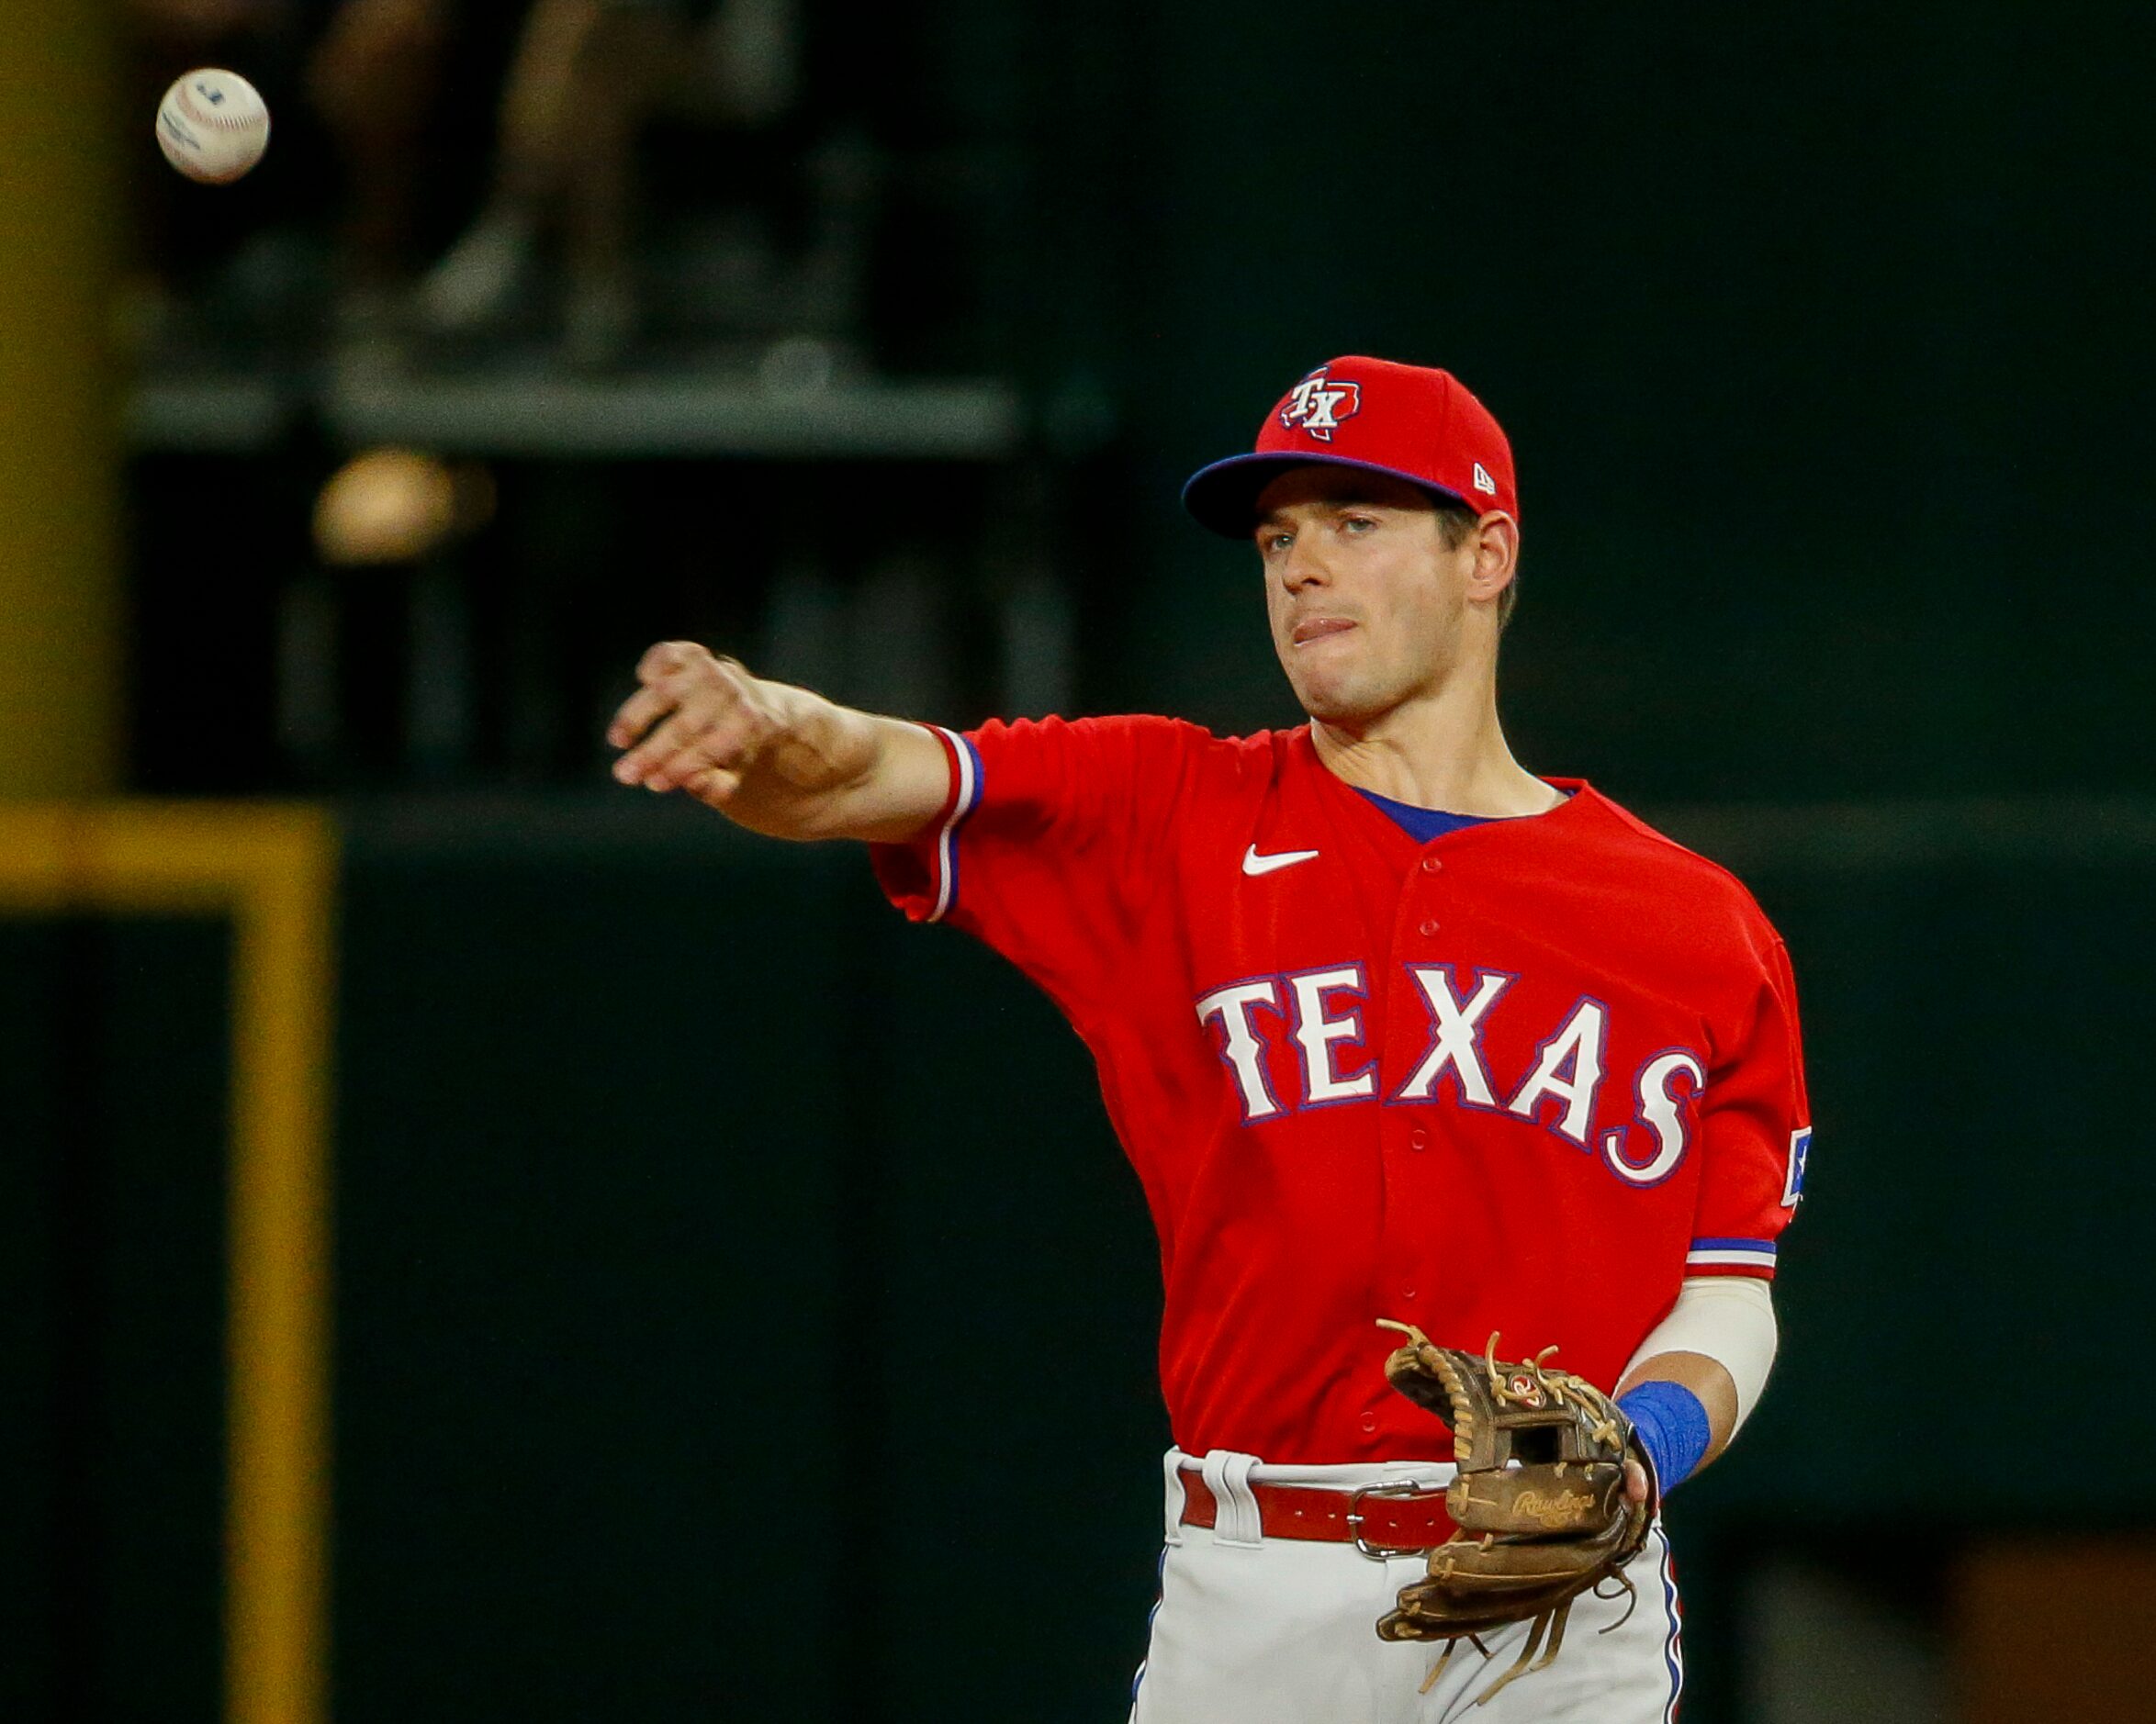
x=714, y=1322
x=1820, y=333
x=742, y=1309
x=113, y=1059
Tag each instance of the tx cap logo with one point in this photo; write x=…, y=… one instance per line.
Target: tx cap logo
x=1317, y=405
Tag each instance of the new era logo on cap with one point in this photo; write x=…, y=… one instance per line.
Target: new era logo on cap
x=1412, y=421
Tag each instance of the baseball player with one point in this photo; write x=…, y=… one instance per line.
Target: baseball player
x=1389, y=1027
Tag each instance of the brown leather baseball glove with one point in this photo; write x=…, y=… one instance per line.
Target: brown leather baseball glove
x=1539, y=1501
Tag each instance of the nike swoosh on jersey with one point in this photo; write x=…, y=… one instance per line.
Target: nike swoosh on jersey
x=1252, y=863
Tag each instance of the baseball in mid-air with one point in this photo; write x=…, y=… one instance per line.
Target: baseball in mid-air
x=213, y=125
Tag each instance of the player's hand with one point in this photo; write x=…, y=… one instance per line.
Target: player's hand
x=700, y=723
x=1636, y=1488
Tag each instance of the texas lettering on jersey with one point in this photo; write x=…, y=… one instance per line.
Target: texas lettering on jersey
x=1321, y=1011
x=1525, y=1077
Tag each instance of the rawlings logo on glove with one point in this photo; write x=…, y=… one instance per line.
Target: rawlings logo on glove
x=1540, y=1501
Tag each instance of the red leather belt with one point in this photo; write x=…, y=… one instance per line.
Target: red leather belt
x=1381, y=1520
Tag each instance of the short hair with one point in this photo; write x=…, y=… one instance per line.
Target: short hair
x=1455, y=524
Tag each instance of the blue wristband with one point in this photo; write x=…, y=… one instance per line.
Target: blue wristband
x=1671, y=1426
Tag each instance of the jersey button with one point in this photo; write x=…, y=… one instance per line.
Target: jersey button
x=1429, y=928
x=1369, y=1421
x=1407, y=1292
x=1430, y=865
x=1418, y=1139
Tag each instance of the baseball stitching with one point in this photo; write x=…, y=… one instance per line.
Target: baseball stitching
x=216, y=122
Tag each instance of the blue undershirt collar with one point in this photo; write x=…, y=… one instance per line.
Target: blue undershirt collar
x=1423, y=824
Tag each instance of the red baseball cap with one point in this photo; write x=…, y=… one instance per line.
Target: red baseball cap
x=1414, y=422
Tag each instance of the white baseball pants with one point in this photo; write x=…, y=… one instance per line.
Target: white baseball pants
x=1257, y=1631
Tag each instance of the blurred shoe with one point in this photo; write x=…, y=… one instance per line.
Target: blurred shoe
x=480, y=279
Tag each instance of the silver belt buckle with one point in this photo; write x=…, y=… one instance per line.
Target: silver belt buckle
x=1396, y=1488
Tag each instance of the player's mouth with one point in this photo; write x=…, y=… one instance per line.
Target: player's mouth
x=1317, y=628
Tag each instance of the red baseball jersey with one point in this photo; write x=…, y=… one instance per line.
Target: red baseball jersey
x=1523, y=1078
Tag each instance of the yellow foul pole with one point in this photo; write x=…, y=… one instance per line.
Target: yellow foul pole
x=60, y=665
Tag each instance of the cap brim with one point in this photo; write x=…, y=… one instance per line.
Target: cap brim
x=1223, y=498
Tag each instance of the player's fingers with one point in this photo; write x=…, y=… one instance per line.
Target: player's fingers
x=728, y=736
x=655, y=700
x=677, y=733
x=705, y=733
x=726, y=740
x=1635, y=1481
x=665, y=658
x=639, y=713
x=657, y=671
x=715, y=785
x=696, y=672
x=698, y=697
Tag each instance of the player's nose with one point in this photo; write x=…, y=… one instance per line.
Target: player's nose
x=1304, y=565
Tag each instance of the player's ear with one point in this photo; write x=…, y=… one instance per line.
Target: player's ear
x=1495, y=542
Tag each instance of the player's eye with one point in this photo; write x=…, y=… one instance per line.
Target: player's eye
x=1358, y=523
x=1268, y=542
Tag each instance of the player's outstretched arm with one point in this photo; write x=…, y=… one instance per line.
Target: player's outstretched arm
x=772, y=757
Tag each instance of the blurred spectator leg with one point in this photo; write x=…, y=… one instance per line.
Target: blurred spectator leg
x=589, y=76
x=632, y=61
x=541, y=131
x=374, y=79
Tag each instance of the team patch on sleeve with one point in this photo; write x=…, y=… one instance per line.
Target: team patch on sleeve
x=1793, y=1191
x=1730, y=1257
x=965, y=796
